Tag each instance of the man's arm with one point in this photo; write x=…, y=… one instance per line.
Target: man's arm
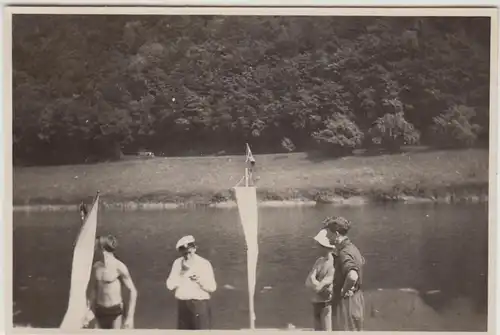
x=126, y=279
x=350, y=268
x=350, y=280
x=328, y=279
x=206, y=280
x=174, y=276
x=311, y=280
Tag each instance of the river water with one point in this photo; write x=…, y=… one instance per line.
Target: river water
x=438, y=248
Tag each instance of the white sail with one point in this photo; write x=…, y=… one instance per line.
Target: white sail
x=246, y=198
x=81, y=270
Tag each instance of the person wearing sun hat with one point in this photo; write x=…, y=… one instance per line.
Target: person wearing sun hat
x=320, y=282
x=348, y=299
x=193, y=281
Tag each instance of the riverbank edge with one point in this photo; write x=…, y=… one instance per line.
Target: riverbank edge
x=226, y=200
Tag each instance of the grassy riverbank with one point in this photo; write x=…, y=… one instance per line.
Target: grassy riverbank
x=417, y=175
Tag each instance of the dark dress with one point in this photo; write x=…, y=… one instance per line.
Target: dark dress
x=348, y=313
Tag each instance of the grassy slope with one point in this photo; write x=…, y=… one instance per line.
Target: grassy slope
x=282, y=176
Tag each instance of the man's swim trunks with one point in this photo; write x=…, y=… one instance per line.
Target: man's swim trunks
x=106, y=316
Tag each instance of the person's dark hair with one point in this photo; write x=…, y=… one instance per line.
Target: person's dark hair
x=337, y=224
x=187, y=246
x=342, y=231
x=108, y=243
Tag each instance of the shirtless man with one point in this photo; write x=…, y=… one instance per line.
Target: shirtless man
x=105, y=296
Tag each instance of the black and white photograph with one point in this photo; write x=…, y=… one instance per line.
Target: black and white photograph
x=296, y=169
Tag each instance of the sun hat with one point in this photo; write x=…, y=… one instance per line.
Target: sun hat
x=323, y=239
x=184, y=241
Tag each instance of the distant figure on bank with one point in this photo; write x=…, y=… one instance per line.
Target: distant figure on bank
x=252, y=171
x=252, y=162
x=348, y=300
x=83, y=210
x=105, y=295
x=320, y=282
x=192, y=278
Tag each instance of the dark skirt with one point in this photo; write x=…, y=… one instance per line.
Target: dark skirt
x=194, y=314
x=348, y=313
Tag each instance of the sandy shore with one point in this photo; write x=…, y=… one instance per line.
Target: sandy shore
x=402, y=309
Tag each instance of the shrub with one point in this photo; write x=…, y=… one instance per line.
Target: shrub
x=392, y=131
x=454, y=127
x=340, y=135
x=287, y=144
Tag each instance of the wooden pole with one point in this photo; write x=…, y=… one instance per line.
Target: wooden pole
x=246, y=177
x=252, y=312
x=250, y=297
x=251, y=307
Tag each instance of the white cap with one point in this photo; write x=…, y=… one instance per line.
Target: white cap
x=184, y=241
x=323, y=239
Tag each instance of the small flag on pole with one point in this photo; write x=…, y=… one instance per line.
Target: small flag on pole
x=250, y=157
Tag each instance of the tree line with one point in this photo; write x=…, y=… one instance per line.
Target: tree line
x=88, y=88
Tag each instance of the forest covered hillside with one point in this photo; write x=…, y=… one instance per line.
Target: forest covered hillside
x=88, y=88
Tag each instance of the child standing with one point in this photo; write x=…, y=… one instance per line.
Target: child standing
x=320, y=282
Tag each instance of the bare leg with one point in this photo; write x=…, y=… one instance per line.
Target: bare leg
x=322, y=317
x=118, y=322
x=317, y=316
x=326, y=318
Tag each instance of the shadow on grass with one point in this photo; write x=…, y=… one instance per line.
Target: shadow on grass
x=322, y=156
x=412, y=310
x=440, y=301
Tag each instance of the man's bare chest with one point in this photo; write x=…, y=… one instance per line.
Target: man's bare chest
x=106, y=274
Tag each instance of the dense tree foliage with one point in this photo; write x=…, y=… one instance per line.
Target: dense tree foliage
x=85, y=88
